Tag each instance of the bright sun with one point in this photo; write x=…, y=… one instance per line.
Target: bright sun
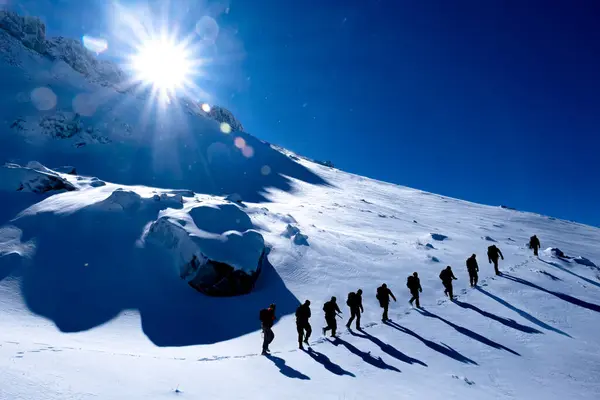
x=164, y=64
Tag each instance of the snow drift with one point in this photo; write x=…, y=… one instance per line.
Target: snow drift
x=156, y=203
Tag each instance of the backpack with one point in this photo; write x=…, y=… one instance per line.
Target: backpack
x=379, y=293
x=409, y=281
x=350, y=301
x=302, y=312
x=264, y=315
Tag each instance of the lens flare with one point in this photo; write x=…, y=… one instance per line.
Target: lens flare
x=43, y=98
x=97, y=45
x=265, y=170
x=239, y=142
x=248, y=151
x=226, y=128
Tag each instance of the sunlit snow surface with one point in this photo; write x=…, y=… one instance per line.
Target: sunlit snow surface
x=91, y=307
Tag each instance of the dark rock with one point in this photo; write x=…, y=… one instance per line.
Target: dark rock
x=225, y=281
x=221, y=114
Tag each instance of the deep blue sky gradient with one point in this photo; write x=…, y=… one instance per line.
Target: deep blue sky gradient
x=496, y=102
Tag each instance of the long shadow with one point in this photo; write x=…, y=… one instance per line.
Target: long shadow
x=555, y=265
x=562, y=296
x=549, y=275
x=367, y=357
x=511, y=323
x=388, y=349
x=468, y=332
x=327, y=363
x=443, y=348
x=522, y=313
x=87, y=269
x=286, y=369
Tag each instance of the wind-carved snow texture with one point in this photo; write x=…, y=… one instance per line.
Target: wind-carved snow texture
x=10, y=243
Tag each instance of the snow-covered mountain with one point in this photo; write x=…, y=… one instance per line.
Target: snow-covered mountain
x=138, y=244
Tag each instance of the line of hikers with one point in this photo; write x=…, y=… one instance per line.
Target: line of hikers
x=383, y=295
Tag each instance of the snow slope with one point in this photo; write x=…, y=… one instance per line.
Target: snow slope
x=93, y=305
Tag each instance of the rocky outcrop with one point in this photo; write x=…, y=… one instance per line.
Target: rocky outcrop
x=293, y=232
x=221, y=114
x=220, y=279
x=33, y=178
x=31, y=31
x=213, y=245
x=82, y=60
x=60, y=125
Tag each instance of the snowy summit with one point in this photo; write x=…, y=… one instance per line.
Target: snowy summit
x=137, y=250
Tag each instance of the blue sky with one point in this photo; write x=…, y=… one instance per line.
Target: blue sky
x=490, y=101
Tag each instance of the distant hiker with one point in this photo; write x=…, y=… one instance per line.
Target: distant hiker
x=267, y=319
x=383, y=295
x=493, y=253
x=447, y=276
x=473, y=269
x=331, y=311
x=302, y=324
x=413, y=283
x=355, y=303
x=534, y=243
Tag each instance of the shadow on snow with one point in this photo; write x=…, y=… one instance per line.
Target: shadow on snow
x=440, y=348
x=366, y=357
x=286, y=369
x=468, y=332
x=562, y=296
x=511, y=323
x=556, y=265
x=388, y=349
x=522, y=313
x=87, y=269
x=327, y=363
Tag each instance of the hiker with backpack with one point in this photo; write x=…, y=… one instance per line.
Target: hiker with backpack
x=355, y=303
x=302, y=325
x=493, y=254
x=331, y=311
x=413, y=283
x=383, y=295
x=447, y=276
x=473, y=270
x=267, y=319
x=534, y=243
